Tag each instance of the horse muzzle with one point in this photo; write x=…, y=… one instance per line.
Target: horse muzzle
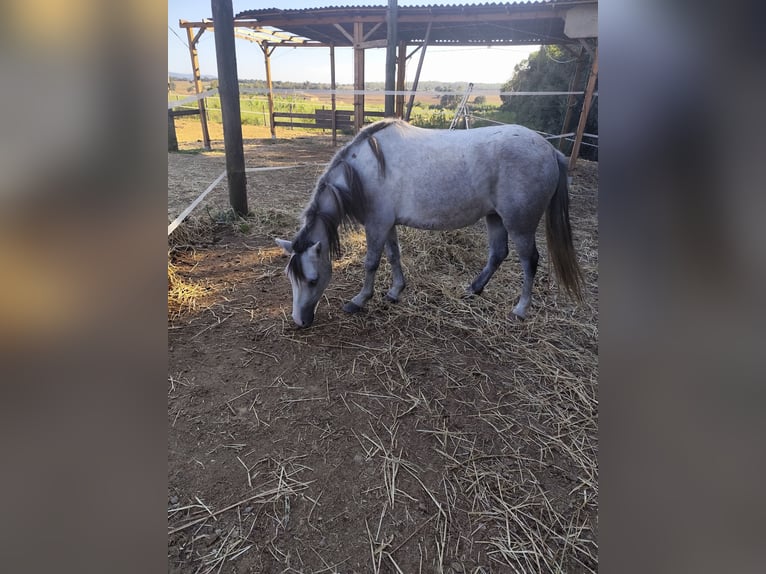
x=304, y=318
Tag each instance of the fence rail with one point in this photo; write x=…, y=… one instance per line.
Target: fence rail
x=322, y=119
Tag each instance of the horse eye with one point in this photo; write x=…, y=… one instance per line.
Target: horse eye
x=313, y=282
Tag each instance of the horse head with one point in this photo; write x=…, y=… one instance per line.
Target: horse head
x=309, y=271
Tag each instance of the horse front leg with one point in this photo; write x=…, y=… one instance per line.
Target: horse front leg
x=394, y=258
x=375, y=242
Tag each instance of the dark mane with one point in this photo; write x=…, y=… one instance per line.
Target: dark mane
x=368, y=134
x=350, y=200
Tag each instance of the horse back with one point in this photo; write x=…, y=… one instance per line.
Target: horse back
x=441, y=179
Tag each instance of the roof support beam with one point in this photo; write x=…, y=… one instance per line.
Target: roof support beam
x=573, y=86
x=332, y=97
x=343, y=31
x=267, y=51
x=198, y=84
x=391, y=41
x=586, y=103
x=228, y=89
x=358, y=76
x=401, y=68
x=417, y=73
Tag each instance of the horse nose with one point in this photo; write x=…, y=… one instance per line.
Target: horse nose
x=304, y=316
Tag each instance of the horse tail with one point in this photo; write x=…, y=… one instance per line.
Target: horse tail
x=558, y=233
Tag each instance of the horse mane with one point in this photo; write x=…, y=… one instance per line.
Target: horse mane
x=350, y=201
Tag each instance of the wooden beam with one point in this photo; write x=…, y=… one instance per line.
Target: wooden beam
x=417, y=73
x=332, y=97
x=177, y=113
x=401, y=70
x=415, y=51
x=343, y=31
x=391, y=42
x=198, y=85
x=198, y=35
x=358, y=76
x=270, y=96
x=228, y=88
x=586, y=103
x=371, y=31
x=574, y=85
x=374, y=44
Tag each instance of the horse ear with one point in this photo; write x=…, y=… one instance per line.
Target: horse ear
x=286, y=245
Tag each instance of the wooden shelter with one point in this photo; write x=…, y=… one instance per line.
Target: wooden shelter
x=570, y=23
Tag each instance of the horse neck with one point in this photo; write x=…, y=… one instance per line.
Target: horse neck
x=316, y=230
x=327, y=215
x=317, y=225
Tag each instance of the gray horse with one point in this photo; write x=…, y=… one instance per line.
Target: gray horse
x=393, y=174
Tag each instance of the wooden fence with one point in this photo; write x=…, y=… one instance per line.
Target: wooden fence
x=172, y=115
x=321, y=119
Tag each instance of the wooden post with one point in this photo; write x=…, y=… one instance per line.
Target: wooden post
x=172, y=139
x=586, y=103
x=358, y=76
x=267, y=59
x=198, y=83
x=571, y=98
x=391, y=41
x=228, y=87
x=332, y=97
x=400, y=76
x=417, y=73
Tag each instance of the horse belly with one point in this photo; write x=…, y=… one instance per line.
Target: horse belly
x=441, y=213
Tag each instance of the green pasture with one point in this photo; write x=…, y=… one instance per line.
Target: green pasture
x=255, y=111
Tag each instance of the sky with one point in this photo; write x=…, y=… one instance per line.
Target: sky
x=458, y=64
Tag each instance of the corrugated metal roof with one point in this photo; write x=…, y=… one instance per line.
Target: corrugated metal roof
x=418, y=6
x=508, y=23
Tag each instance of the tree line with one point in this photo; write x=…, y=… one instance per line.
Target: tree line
x=551, y=69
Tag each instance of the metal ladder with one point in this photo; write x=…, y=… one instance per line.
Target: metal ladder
x=462, y=109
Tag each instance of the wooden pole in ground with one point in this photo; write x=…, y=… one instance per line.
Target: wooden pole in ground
x=391, y=41
x=198, y=83
x=586, y=103
x=358, y=76
x=571, y=98
x=267, y=59
x=332, y=97
x=228, y=88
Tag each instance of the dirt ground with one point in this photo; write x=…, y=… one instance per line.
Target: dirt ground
x=432, y=435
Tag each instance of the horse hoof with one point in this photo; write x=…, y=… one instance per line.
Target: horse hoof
x=470, y=294
x=391, y=299
x=351, y=307
x=520, y=318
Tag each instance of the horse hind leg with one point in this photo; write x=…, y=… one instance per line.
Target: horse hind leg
x=498, y=251
x=394, y=258
x=526, y=247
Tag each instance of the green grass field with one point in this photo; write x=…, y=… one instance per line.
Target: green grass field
x=255, y=110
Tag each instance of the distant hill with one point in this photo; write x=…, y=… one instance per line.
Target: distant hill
x=189, y=77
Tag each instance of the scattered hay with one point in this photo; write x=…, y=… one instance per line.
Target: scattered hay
x=192, y=231
x=183, y=295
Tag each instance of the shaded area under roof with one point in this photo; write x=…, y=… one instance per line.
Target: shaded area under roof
x=512, y=23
